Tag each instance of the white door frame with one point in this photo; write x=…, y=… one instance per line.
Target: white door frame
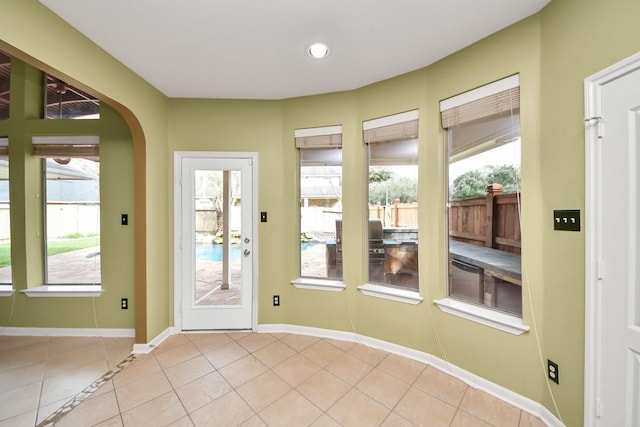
x=177, y=226
x=593, y=309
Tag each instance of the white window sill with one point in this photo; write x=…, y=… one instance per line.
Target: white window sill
x=393, y=294
x=69, y=291
x=6, y=290
x=485, y=316
x=318, y=284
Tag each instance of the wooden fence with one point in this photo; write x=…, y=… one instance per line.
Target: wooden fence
x=397, y=215
x=492, y=221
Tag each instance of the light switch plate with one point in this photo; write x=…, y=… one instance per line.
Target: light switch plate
x=566, y=220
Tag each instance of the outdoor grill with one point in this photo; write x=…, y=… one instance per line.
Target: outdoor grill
x=376, y=250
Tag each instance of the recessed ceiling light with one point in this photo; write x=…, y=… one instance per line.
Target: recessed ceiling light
x=318, y=50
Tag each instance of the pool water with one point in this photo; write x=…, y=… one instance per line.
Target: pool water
x=213, y=252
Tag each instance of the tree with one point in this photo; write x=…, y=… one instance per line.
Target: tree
x=380, y=175
x=385, y=192
x=508, y=176
x=474, y=183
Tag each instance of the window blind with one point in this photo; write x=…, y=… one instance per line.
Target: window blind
x=66, y=147
x=501, y=103
x=397, y=127
x=483, y=118
x=4, y=147
x=321, y=137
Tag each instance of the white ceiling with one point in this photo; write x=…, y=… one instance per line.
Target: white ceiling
x=257, y=49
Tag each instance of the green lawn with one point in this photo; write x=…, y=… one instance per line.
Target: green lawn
x=55, y=247
x=5, y=255
x=60, y=246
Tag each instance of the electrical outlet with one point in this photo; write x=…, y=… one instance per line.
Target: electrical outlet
x=552, y=371
x=567, y=220
x=124, y=303
x=276, y=300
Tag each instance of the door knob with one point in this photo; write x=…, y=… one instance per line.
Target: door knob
x=247, y=252
x=247, y=240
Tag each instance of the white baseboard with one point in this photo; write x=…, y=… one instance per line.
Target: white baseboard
x=148, y=347
x=511, y=397
x=471, y=379
x=68, y=332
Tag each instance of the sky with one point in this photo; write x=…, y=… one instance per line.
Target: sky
x=508, y=154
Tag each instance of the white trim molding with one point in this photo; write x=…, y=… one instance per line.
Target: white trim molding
x=148, y=347
x=6, y=290
x=393, y=119
x=480, y=92
x=469, y=378
x=68, y=332
x=485, y=316
x=64, y=291
x=392, y=294
x=320, y=131
x=253, y=157
x=318, y=284
x=66, y=140
x=593, y=309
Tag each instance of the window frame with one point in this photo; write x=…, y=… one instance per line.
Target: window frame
x=477, y=312
x=318, y=138
x=6, y=288
x=69, y=97
x=65, y=147
x=396, y=128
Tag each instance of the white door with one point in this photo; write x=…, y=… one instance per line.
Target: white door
x=614, y=293
x=214, y=241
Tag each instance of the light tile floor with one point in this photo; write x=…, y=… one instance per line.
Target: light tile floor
x=38, y=375
x=249, y=379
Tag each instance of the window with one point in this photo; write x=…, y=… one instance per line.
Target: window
x=393, y=200
x=5, y=80
x=64, y=101
x=71, y=178
x=320, y=153
x=483, y=144
x=5, y=209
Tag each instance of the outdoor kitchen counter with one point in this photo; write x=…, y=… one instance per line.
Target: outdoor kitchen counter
x=500, y=263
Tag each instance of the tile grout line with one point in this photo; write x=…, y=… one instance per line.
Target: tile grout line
x=269, y=369
x=88, y=391
x=322, y=368
x=174, y=389
x=44, y=374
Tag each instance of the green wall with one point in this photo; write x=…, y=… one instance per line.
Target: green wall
x=228, y=125
x=579, y=38
x=31, y=32
x=116, y=163
x=554, y=51
x=268, y=127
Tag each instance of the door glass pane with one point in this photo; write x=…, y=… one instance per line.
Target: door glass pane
x=217, y=237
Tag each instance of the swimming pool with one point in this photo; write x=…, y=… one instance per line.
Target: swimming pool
x=213, y=252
